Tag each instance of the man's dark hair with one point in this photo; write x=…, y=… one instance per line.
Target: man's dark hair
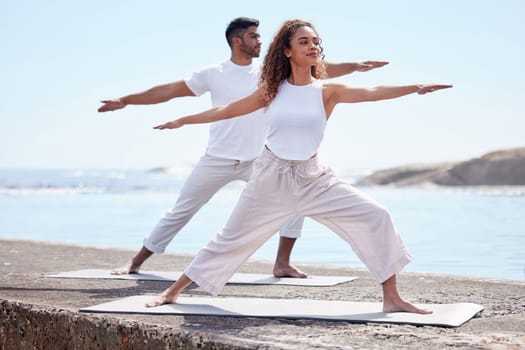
x=237, y=27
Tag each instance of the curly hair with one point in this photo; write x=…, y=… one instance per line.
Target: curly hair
x=276, y=66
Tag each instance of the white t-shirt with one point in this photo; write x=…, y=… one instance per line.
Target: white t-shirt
x=240, y=138
x=296, y=121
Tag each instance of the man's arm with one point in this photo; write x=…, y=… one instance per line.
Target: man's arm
x=334, y=70
x=157, y=94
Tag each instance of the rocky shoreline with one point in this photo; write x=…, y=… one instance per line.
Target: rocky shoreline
x=499, y=168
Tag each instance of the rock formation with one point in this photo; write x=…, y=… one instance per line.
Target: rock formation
x=499, y=168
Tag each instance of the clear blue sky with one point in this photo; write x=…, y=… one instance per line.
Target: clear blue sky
x=59, y=58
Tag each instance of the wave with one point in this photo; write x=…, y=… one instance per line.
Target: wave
x=46, y=191
x=513, y=191
x=95, y=181
x=490, y=190
x=113, y=175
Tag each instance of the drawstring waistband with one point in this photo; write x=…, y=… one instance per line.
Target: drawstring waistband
x=303, y=168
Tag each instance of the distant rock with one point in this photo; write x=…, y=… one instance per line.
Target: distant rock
x=499, y=168
x=406, y=175
x=178, y=171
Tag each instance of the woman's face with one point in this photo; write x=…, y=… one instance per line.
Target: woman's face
x=305, y=47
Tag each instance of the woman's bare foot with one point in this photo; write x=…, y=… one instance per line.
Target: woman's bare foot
x=169, y=296
x=403, y=306
x=392, y=302
x=161, y=299
x=281, y=270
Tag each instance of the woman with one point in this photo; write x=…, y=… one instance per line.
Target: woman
x=287, y=179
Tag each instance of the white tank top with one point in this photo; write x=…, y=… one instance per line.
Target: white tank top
x=296, y=121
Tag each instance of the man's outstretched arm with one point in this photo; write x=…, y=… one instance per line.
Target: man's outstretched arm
x=334, y=70
x=157, y=94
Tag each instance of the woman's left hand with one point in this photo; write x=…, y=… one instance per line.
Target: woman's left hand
x=174, y=124
x=426, y=88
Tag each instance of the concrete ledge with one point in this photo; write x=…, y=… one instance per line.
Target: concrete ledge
x=26, y=326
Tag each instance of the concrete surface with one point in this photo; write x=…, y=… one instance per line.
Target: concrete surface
x=42, y=313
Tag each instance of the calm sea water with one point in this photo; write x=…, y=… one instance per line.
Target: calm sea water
x=460, y=231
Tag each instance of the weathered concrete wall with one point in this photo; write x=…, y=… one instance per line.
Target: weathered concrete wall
x=24, y=326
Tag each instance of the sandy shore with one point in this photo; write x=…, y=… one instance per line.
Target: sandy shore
x=23, y=265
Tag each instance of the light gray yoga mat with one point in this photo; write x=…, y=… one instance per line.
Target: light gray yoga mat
x=444, y=315
x=238, y=278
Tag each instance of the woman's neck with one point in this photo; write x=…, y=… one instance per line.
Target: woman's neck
x=300, y=76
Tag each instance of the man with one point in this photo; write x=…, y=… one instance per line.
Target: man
x=233, y=144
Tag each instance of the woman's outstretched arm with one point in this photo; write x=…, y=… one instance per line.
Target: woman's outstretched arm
x=345, y=93
x=237, y=108
x=340, y=93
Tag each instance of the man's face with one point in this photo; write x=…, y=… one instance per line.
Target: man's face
x=251, y=42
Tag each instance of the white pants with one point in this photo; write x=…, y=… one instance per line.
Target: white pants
x=280, y=190
x=208, y=177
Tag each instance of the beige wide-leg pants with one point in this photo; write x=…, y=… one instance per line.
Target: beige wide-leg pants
x=280, y=190
x=207, y=178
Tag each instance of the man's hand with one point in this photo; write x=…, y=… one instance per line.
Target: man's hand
x=369, y=65
x=111, y=105
x=174, y=124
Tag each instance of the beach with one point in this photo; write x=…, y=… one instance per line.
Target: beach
x=41, y=312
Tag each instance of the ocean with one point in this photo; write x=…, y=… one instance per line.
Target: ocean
x=477, y=231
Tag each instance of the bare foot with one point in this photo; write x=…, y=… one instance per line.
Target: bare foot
x=288, y=271
x=402, y=306
x=136, y=262
x=161, y=299
x=126, y=270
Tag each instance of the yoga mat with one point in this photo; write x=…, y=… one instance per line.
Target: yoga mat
x=444, y=315
x=238, y=278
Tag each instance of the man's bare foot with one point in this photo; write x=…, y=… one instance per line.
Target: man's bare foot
x=402, y=306
x=126, y=270
x=288, y=271
x=142, y=255
x=161, y=299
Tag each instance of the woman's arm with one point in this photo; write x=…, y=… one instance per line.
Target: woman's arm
x=340, y=93
x=237, y=108
x=347, y=94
